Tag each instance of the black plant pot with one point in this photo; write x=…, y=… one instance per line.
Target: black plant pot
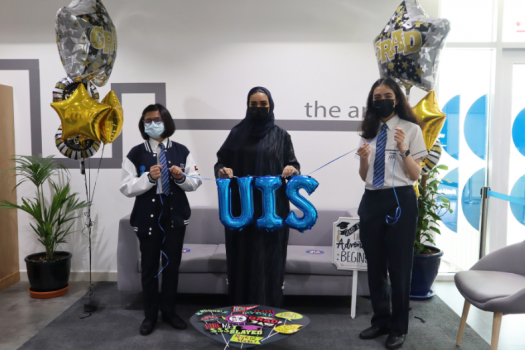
x=424, y=273
x=46, y=276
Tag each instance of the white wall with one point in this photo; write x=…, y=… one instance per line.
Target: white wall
x=209, y=54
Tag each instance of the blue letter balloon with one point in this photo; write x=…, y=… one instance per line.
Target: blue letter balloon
x=270, y=220
x=225, y=214
x=309, y=184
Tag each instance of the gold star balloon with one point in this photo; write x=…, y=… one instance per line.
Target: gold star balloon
x=80, y=115
x=111, y=124
x=429, y=112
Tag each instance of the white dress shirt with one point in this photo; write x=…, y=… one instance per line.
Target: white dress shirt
x=414, y=142
x=133, y=185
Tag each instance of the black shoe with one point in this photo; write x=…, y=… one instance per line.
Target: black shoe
x=373, y=332
x=175, y=321
x=147, y=327
x=395, y=341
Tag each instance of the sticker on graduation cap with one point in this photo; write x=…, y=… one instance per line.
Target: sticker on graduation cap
x=315, y=252
x=345, y=230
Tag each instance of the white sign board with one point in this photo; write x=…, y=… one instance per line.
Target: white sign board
x=348, y=253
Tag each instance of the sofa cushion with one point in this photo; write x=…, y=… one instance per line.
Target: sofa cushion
x=312, y=260
x=218, y=260
x=483, y=286
x=195, y=258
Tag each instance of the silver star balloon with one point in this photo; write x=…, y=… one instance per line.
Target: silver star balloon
x=86, y=40
x=408, y=48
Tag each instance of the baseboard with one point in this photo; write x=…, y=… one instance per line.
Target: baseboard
x=445, y=277
x=9, y=280
x=83, y=276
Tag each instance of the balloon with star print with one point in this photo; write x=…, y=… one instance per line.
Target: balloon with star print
x=408, y=47
x=86, y=40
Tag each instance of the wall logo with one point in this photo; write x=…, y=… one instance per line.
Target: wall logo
x=186, y=250
x=317, y=252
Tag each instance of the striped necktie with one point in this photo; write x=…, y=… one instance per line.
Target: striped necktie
x=164, y=172
x=379, y=163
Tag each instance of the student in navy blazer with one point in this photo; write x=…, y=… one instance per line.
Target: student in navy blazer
x=154, y=173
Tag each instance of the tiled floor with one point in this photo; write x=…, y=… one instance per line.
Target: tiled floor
x=21, y=317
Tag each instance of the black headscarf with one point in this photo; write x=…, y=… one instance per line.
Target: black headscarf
x=249, y=127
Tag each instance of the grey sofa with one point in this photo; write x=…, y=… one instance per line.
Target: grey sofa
x=203, y=266
x=496, y=284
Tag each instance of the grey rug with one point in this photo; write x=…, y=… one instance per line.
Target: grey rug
x=116, y=325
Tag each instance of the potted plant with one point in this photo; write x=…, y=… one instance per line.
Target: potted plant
x=48, y=271
x=427, y=257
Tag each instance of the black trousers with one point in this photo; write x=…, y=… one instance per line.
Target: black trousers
x=256, y=261
x=389, y=248
x=150, y=249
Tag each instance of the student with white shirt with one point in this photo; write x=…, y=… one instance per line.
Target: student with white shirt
x=154, y=172
x=389, y=244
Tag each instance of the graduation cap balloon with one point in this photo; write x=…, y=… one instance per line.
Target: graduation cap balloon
x=86, y=40
x=408, y=47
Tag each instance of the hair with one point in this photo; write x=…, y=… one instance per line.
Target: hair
x=169, y=125
x=370, y=125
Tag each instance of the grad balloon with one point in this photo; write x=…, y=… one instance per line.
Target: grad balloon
x=309, y=184
x=434, y=154
x=76, y=148
x=270, y=220
x=225, y=214
x=65, y=88
x=86, y=40
x=408, y=48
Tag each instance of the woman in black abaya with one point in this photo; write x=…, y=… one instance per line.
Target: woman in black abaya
x=256, y=258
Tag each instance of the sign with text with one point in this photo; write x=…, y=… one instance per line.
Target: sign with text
x=347, y=251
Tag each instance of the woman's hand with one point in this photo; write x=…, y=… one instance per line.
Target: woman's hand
x=154, y=171
x=226, y=173
x=176, y=172
x=289, y=171
x=364, y=151
x=399, y=137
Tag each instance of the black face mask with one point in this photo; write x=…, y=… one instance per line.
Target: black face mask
x=258, y=113
x=383, y=108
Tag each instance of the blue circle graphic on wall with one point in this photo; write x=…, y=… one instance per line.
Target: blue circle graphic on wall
x=449, y=135
x=518, y=132
x=476, y=127
x=449, y=190
x=315, y=252
x=518, y=190
x=471, y=198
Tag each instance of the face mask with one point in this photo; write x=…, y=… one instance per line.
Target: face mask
x=154, y=130
x=383, y=108
x=258, y=113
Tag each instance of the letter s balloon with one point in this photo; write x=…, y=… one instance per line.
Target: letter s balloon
x=309, y=184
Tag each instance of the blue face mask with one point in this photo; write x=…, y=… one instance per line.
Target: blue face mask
x=154, y=130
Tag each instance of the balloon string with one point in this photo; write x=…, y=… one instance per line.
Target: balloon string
x=347, y=153
x=398, y=209
x=163, y=239
x=339, y=158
